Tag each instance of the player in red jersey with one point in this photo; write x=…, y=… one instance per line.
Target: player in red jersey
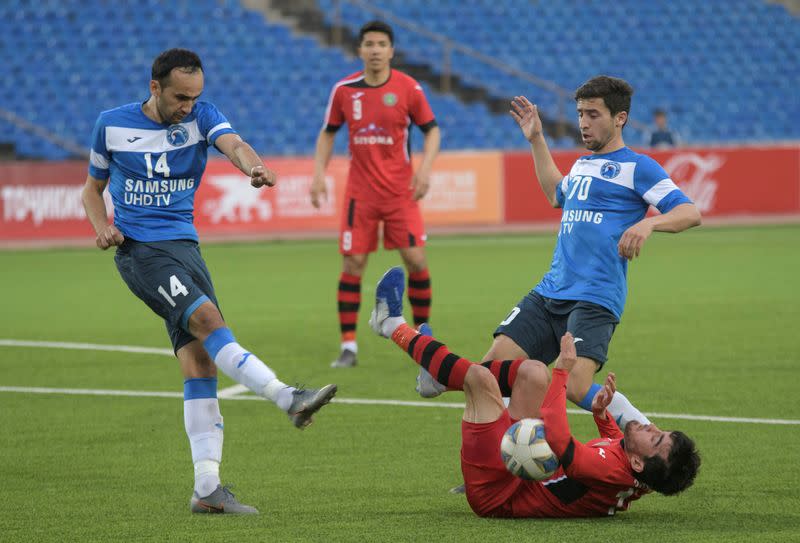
x=597, y=478
x=378, y=104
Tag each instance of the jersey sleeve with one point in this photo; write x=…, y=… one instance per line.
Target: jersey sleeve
x=418, y=108
x=561, y=190
x=607, y=427
x=212, y=123
x=655, y=187
x=334, y=113
x=99, y=157
x=580, y=462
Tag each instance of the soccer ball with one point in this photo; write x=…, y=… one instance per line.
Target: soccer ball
x=525, y=451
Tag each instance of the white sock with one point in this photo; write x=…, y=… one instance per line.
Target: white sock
x=206, y=477
x=203, y=423
x=623, y=411
x=244, y=367
x=349, y=346
x=390, y=325
x=279, y=393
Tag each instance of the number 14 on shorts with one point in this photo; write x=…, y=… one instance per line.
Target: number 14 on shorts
x=175, y=288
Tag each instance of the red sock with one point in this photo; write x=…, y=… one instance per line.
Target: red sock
x=447, y=368
x=505, y=371
x=349, y=298
x=419, y=295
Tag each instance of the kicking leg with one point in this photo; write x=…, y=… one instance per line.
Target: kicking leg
x=206, y=324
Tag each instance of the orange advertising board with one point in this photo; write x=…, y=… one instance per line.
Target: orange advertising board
x=466, y=188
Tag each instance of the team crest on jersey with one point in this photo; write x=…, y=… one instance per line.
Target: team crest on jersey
x=177, y=135
x=389, y=99
x=610, y=170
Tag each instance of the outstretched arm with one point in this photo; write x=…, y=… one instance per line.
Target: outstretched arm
x=246, y=159
x=527, y=117
x=602, y=418
x=679, y=218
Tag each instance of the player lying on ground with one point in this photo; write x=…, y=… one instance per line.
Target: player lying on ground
x=597, y=478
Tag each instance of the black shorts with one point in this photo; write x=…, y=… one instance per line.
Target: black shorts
x=537, y=323
x=170, y=277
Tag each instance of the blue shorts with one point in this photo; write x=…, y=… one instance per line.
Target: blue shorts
x=537, y=323
x=171, y=278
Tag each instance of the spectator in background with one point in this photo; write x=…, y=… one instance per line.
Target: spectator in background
x=662, y=135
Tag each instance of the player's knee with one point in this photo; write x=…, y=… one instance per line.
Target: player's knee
x=533, y=373
x=479, y=380
x=354, y=264
x=205, y=320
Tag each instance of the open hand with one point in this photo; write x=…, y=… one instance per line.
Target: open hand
x=569, y=356
x=603, y=397
x=420, y=183
x=527, y=117
x=319, y=191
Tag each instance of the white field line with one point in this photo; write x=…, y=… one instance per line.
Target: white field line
x=233, y=392
x=364, y=401
x=85, y=347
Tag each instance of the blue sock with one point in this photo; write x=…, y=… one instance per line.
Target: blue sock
x=586, y=402
x=199, y=388
x=217, y=340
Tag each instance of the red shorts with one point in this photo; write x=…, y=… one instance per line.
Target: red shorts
x=402, y=225
x=492, y=491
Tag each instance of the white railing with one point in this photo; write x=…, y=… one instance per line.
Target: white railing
x=43, y=133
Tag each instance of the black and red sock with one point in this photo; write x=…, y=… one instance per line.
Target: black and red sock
x=505, y=371
x=447, y=368
x=419, y=296
x=349, y=299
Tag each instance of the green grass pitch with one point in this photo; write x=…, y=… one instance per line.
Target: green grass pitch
x=710, y=329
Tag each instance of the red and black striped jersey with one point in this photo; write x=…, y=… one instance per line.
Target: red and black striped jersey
x=378, y=119
x=595, y=478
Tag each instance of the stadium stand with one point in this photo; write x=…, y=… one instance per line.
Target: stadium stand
x=724, y=71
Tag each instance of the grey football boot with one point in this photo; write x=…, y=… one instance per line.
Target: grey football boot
x=347, y=359
x=306, y=402
x=221, y=501
x=427, y=386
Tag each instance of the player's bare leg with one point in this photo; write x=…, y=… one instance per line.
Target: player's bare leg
x=349, y=300
x=484, y=403
x=528, y=390
x=504, y=348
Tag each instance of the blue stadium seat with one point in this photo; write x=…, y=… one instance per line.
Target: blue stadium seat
x=724, y=75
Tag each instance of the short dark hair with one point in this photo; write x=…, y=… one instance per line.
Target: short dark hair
x=677, y=473
x=658, y=112
x=376, y=26
x=615, y=92
x=174, y=58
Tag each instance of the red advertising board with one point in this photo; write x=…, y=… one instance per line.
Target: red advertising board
x=41, y=200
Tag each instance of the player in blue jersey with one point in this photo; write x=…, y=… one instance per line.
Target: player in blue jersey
x=605, y=198
x=152, y=156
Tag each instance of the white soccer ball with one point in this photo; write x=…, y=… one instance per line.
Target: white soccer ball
x=525, y=451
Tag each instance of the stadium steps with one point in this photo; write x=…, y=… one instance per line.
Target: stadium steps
x=306, y=17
